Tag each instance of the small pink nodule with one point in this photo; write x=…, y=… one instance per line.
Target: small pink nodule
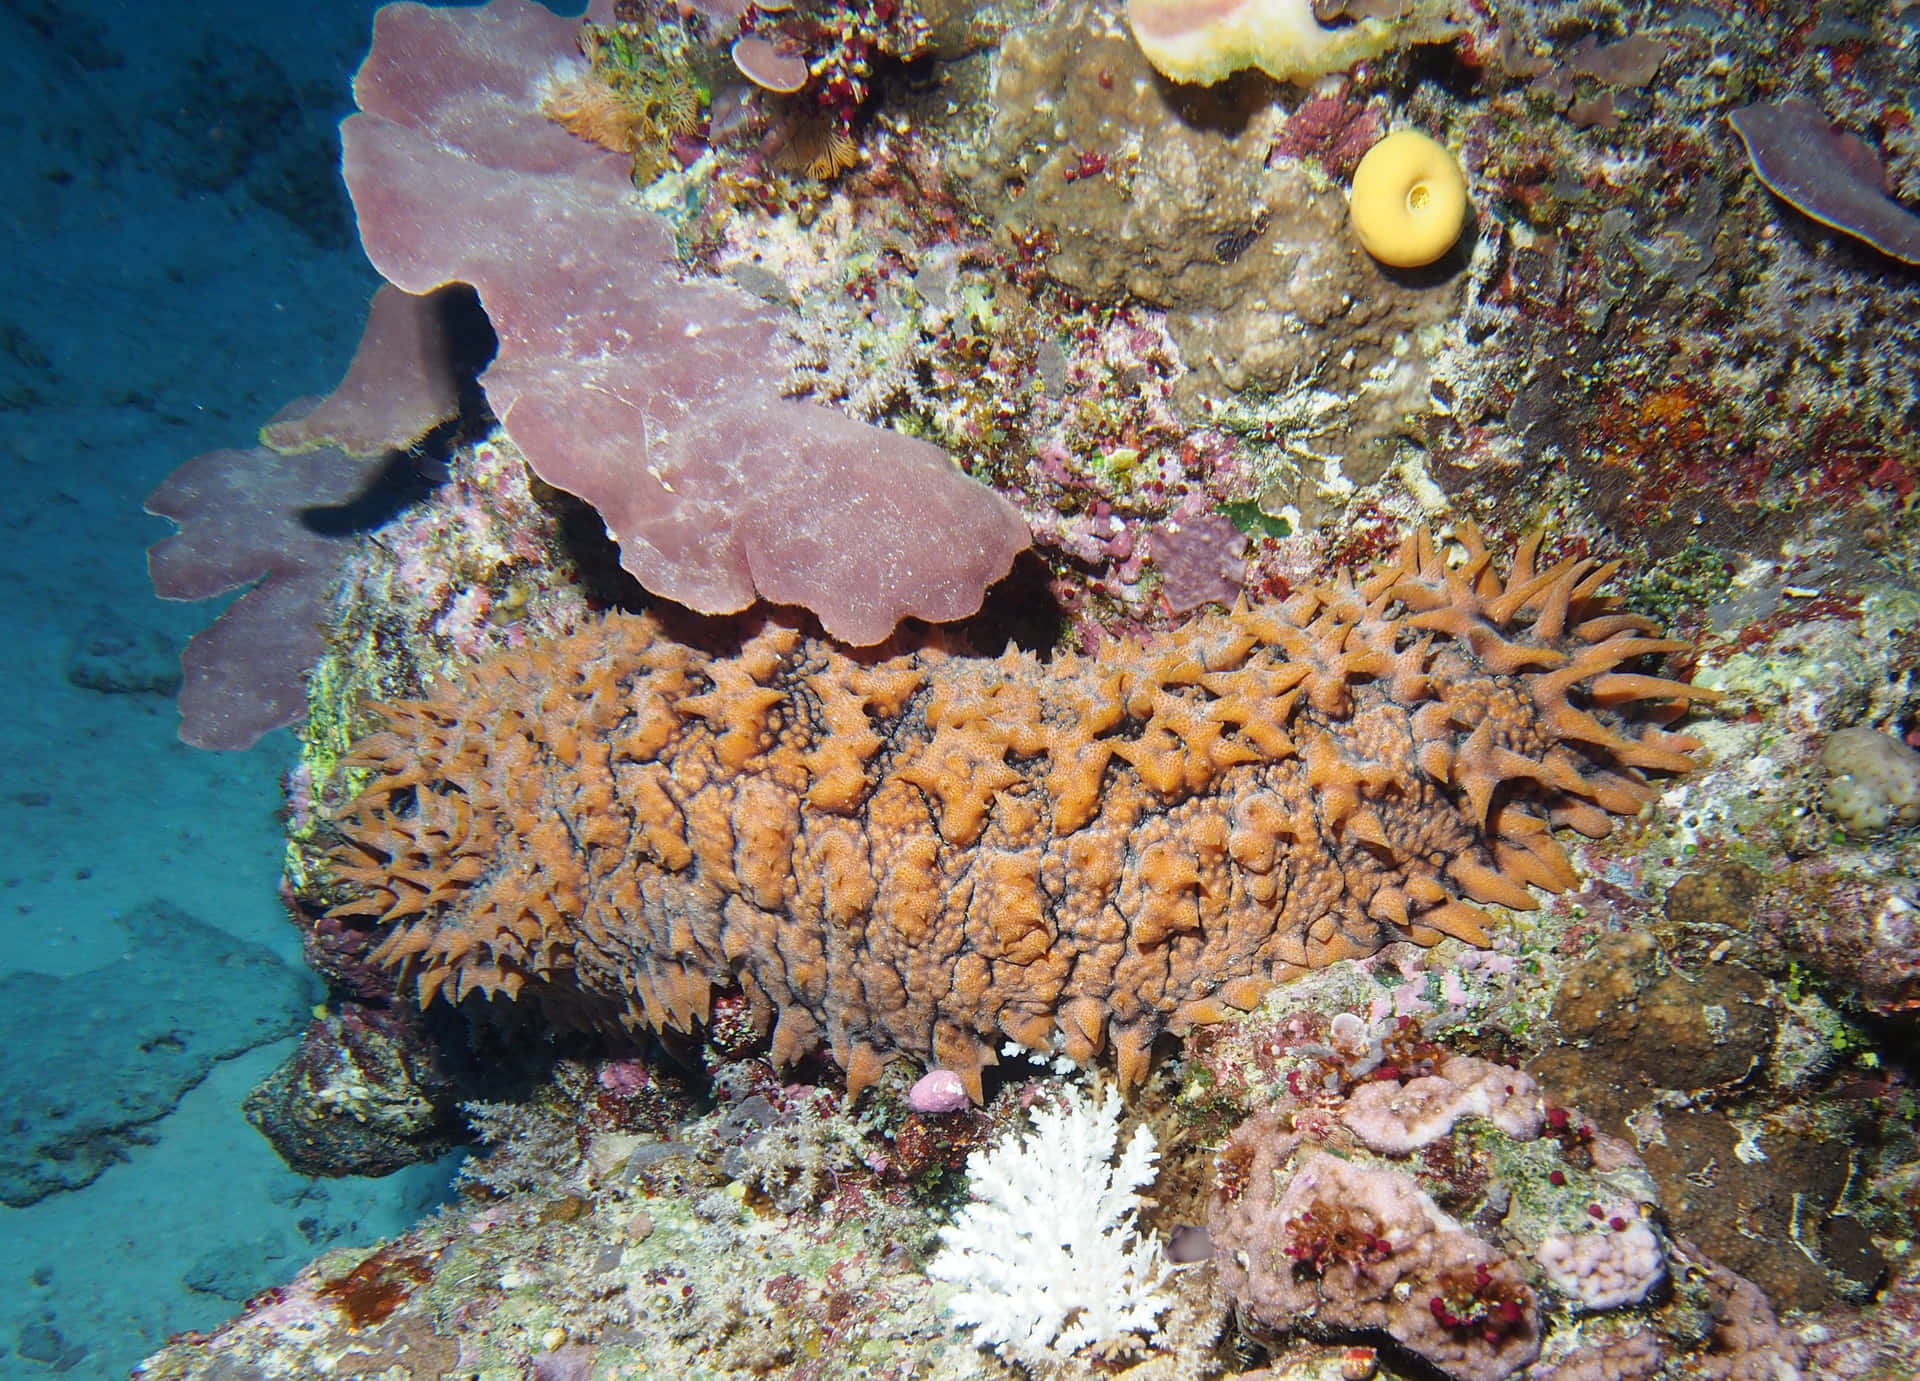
x=938, y=1090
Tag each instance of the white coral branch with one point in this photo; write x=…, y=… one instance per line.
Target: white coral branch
x=1048, y=1255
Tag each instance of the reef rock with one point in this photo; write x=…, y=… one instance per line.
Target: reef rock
x=1171, y=196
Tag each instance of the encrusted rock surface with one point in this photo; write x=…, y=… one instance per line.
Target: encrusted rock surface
x=1170, y=194
x=1697, y=1031
x=362, y=1096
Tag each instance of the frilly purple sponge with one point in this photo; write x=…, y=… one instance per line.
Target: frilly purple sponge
x=654, y=398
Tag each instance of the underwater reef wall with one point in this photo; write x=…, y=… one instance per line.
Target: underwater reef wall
x=923, y=853
x=1670, y=1100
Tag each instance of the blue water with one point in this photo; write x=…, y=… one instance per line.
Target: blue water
x=178, y=262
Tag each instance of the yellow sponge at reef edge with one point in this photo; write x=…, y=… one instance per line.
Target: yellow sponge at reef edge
x=1409, y=200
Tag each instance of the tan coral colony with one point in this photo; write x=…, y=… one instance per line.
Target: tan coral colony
x=926, y=853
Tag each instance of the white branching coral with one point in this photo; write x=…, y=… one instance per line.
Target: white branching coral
x=1048, y=1255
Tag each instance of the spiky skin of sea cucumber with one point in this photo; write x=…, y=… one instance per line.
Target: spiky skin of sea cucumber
x=925, y=853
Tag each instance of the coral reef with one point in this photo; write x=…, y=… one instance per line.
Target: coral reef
x=1709, y=1027
x=613, y=1250
x=1631, y=254
x=1855, y=921
x=1178, y=204
x=826, y=61
x=1486, y=1247
x=1315, y=1237
x=637, y=94
x=1690, y=1063
x=1521, y=1092
x=772, y=1234
x=921, y=853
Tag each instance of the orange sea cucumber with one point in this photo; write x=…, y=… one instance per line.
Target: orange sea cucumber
x=922, y=853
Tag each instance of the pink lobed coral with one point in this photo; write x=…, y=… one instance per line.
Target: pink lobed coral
x=242, y=523
x=259, y=518
x=1395, y=1119
x=1317, y=1239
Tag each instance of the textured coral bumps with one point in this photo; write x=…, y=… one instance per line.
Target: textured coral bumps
x=926, y=853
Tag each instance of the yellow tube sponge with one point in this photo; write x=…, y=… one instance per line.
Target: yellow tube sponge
x=1205, y=40
x=1409, y=200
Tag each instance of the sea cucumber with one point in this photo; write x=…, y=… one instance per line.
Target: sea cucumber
x=923, y=853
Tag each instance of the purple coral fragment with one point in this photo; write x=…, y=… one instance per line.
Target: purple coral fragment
x=404, y=381
x=1632, y=62
x=656, y=399
x=764, y=63
x=243, y=521
x=250, y=518
x=1202, y=559
x=1833, y=176
x=938, y=1091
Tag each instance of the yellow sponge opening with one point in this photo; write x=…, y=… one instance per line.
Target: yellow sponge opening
x=1409, y=200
